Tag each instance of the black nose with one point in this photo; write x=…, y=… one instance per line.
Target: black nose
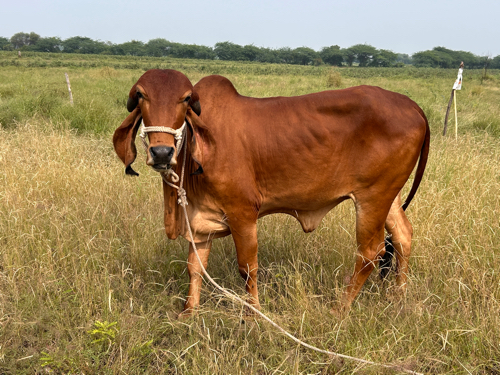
x=161, y=154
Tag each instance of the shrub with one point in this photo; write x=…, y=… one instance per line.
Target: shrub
x=334, y=79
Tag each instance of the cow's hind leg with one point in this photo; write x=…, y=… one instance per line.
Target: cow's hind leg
x=195, y=276
x=400, y=231
x=370, y=238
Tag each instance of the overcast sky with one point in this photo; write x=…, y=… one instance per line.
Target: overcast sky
x=398, y=25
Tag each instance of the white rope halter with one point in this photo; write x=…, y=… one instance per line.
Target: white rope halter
x=179, y=135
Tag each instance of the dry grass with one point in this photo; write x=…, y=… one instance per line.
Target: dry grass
x=82, y=247
x=333, y=79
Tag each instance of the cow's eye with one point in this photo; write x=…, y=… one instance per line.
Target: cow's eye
x=188, y=98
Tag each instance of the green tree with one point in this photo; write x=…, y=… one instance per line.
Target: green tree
x=79, y=44
x=229, y=51
x=51, y=44
x=250, y=52
x=190, y=51
x=72, y=45
x=5, y=44
x=33, y=38
x=384, y=58
x=332, y=55
x=446, y=58
x=470, y=60
x=133, y=48
x=404, y=58
x=434, y=59
x=21, y=40
x=285, y=55
x=204, y=52
x=268, y=55
x=495, y=62
x=349, y=56
x=186, y=51
x=157, y=47
x=304, y=56
x=364, y=53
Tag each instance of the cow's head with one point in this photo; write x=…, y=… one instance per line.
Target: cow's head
x=159, y=98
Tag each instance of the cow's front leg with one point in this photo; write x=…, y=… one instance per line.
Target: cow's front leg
x=245, y=240
x=195, y=276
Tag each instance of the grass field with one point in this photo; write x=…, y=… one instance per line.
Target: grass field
x=89, y=283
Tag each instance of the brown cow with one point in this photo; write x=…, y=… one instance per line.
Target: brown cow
x=303, y=155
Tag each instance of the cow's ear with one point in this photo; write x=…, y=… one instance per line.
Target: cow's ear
x=202, y=142
x=124, y=140
x=133, y=99
x=194, y=103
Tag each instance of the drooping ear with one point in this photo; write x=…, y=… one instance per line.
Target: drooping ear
x=202, y=143
x=124, y=140
x=133, y=99
x=194, y=103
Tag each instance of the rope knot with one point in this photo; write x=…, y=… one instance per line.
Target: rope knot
x=182, y=197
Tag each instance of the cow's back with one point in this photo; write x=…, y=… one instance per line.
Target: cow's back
x=353, y=110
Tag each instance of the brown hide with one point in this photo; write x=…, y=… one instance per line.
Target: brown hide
x=301, y=156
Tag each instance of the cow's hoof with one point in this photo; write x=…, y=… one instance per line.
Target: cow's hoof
x=396, y=294
x=340, y=310
x=251, y=313
x=186, y=314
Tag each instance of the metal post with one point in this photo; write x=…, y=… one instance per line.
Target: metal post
x=69, y=89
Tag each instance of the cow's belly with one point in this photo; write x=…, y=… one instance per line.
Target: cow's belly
x=309, y=216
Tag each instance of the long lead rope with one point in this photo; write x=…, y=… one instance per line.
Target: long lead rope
x=182, y=201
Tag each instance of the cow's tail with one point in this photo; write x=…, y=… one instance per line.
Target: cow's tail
x=422, y=162
x=385, y=264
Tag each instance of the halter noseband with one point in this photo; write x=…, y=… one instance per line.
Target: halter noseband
x=179, y=135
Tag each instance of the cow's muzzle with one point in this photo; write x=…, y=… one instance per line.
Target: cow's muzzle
x=161, y=157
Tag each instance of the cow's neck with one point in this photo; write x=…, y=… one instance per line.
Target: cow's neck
x=174, y=220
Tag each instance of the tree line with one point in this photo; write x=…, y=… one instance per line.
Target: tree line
x=358, y=55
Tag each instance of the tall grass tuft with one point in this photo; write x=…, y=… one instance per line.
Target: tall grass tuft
x=333, y=79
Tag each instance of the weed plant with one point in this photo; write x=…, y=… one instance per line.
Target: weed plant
x=89, y=283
